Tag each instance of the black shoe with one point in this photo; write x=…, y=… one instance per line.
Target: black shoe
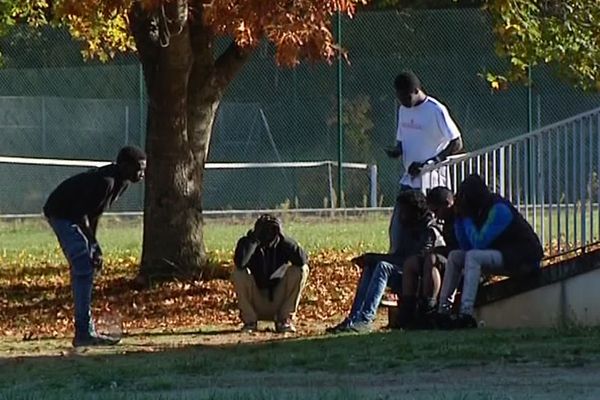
x=249, y=327
x=465, y=321
x=95, y=340
x=343, y=326
x=405, y=317
x=285, y=326
x=443, y=321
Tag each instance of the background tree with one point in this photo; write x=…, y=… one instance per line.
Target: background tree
x=358, y=127
x=423, y=4
x=562, y=33
x=185, y=81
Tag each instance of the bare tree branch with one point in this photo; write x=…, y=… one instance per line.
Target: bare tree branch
x=229, y=64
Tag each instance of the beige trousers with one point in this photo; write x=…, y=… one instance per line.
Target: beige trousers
x=255, y=304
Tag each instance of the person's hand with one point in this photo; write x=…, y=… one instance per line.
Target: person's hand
x=252, y=235
x=359, y=260
x=393, y=152
x=97, y=260
x=415, y=169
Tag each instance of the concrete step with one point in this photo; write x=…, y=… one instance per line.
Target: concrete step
x=564, y=293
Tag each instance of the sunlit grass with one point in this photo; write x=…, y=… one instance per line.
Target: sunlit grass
x=26, y=241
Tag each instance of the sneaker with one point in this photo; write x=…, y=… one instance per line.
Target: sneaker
x=249, y=327
x=95, y=340
x=285, y=326
x=361, y=327
x=343, y=326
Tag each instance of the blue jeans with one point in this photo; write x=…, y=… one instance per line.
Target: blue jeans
x=371, y=286
x=78, y=250
x=394, y=228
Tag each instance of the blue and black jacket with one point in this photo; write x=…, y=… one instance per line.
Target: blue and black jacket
x=501, y=228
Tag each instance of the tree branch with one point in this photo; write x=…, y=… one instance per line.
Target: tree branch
x=144, y=30
x=229, y=64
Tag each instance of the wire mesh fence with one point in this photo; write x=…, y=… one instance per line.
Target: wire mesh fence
x=549, y=174
x=55, y=105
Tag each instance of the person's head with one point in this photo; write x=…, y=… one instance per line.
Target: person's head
x=408, y=89
x=267, y=229
x=131, y=161
x=440, y=201
x=473, y=196
x=412, y=206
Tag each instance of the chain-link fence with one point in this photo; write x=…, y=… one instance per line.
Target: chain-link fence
x=55, y=105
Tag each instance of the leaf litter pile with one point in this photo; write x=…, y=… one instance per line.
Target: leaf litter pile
x=36, y=301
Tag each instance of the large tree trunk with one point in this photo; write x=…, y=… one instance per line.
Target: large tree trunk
x=185, y=85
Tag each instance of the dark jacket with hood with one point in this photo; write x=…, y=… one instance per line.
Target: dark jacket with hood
x=415, y=239
x=83, y=198
x=262, y=261
x=449, y=236
x=488, y=221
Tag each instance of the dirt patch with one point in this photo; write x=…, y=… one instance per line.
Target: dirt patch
x=164, y=339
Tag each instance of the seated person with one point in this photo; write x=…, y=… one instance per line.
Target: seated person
x=271, y=272
x=381, y=270
x=418, y=303
x=494, y=238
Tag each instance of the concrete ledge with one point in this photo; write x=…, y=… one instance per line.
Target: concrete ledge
x=565, y=293
x=546, y=276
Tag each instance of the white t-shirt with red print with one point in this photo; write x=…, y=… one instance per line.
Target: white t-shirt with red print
x=425, y=131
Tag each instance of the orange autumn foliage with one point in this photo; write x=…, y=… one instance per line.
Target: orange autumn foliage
x=299, y=29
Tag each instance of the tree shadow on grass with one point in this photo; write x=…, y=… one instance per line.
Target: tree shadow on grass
x=137, y=366
x=191, y=332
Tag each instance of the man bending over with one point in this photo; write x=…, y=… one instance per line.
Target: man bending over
x=73, y=210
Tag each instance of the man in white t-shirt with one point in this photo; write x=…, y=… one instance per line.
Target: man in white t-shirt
x=426, y=135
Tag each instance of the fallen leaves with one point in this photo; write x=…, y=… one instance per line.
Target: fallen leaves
x=36, y=299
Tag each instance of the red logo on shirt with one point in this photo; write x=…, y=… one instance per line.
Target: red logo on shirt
x=412, y=125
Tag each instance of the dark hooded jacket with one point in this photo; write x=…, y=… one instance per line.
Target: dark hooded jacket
x=262, y=261
x=488, y=221
x=448, y=235
x=415, y=239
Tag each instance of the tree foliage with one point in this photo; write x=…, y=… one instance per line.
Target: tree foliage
x=562, y=33
x=424, y=4
x=299, y=29
x=185, y=82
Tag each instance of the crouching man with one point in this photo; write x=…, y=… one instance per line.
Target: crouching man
x=271, y=272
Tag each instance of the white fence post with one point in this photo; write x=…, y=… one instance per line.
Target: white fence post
x=373, y=185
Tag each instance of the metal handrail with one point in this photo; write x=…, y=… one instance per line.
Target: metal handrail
x=551, y=174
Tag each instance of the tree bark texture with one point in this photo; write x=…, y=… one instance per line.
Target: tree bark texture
x=185, y=85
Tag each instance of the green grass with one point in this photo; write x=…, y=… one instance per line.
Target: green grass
x=366, y=233
x=570, y=224
x=377, y=366
x=120, y=237
x=313, y=368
